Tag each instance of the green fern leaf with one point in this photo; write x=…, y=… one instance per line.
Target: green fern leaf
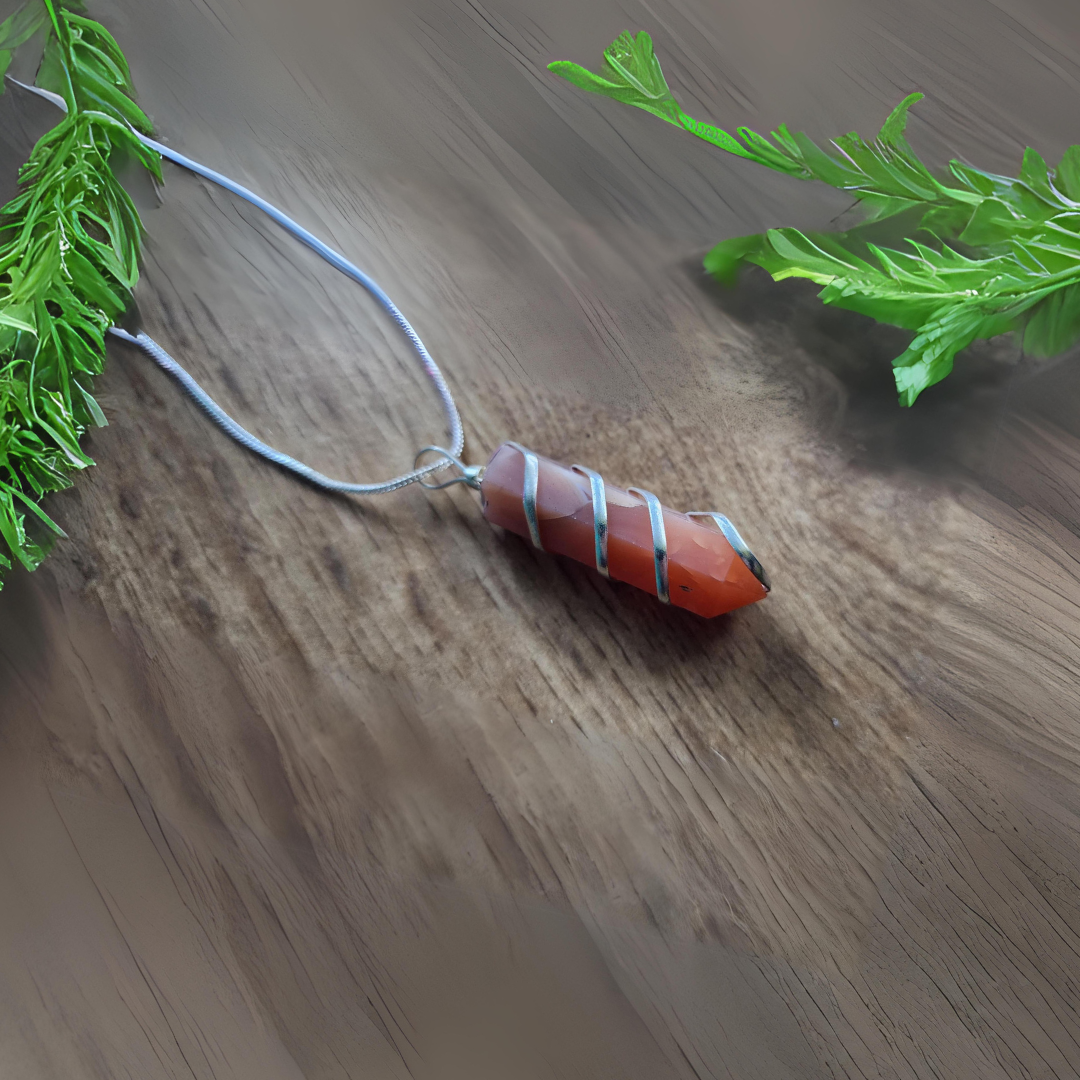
x=996, y=254
x=69, y=249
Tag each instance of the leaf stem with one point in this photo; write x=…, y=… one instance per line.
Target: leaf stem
x=63, y=41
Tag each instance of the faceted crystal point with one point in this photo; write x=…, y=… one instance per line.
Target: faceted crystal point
x=704, y=572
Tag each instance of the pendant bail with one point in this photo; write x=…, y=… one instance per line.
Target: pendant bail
x=470, y=475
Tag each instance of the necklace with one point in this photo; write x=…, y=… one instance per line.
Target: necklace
x=696, y=560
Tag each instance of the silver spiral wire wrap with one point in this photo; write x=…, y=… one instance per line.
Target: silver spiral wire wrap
x=530, y=487
x=659, y=541
x=599, y=511
x=339, y=262
x=731, y=534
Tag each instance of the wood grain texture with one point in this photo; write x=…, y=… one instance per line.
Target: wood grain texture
x=305, y=787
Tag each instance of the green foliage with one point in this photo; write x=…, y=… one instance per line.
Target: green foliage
x=69, y=250
x=994, y=254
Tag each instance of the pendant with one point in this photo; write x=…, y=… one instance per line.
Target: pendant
x=695, y=561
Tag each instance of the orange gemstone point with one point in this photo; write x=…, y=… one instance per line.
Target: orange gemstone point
x=705, y=573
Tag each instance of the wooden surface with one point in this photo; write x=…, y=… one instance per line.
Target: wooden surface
x=293, y=786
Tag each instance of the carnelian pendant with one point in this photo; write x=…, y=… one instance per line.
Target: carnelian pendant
x=694, y=561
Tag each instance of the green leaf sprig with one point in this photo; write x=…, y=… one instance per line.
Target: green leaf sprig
x=69, y=253
x=994, y=254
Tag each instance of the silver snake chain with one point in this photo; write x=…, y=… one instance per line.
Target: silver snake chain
x=447, y=456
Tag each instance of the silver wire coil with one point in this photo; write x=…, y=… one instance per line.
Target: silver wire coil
x=529, y=491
